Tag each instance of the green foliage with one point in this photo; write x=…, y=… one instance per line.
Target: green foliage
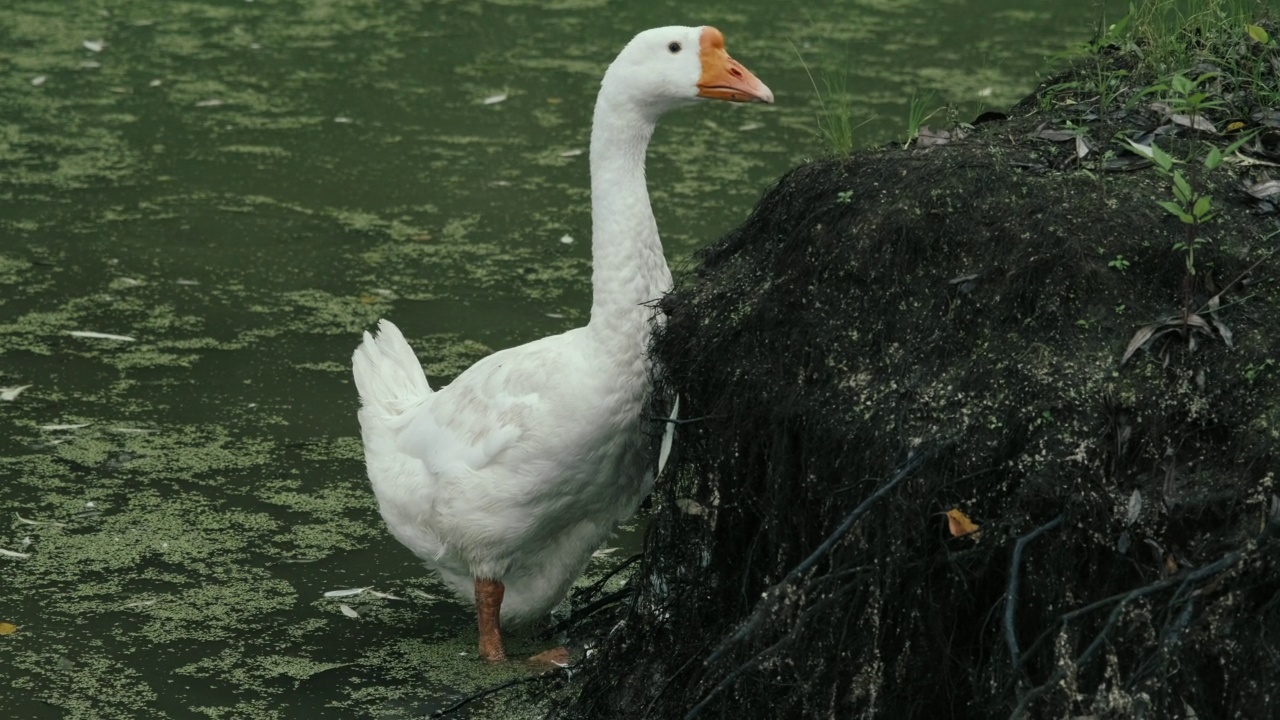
x=916, y=116
x=835, y=110
x=1171, y=33
x=1119, y=263
x=1189, y=205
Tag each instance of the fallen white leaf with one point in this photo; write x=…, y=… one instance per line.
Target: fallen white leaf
x=495, y=99
x=211, y=102
x=566, y=239
x=155, y=83
x=54, y=523
x=39, y=80
x=748, y=127
x=94, y=45
x=9, y=394
x=344, y=593
x=342, y=119
x=571, y=153
x=384, y=596
x=13, y=554
x=346, y=610
x=100, y=336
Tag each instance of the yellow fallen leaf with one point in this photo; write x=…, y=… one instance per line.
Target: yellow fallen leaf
x=960, y=525
x=8, y=628
x=1237, y=125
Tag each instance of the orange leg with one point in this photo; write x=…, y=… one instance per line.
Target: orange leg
x=488, y=605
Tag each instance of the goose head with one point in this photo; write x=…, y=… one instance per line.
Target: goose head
x=666, y=68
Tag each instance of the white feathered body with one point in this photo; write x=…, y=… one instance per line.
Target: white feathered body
x=517, y=470
x=521, y=467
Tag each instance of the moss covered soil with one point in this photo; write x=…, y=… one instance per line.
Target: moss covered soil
x=995, y=320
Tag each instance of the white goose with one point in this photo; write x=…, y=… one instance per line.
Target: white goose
x=506, y=480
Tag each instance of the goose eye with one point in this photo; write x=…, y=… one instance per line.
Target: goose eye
x=674, y=47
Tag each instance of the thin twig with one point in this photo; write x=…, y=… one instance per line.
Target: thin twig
x=1121, y=600
x=1011, y=594
x=481, y=694
x=758, y=615
x=585, y=611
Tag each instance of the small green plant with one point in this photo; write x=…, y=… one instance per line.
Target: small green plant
x=844, y=197
x=1188, y=99
x=1119, y=263
x=916, y=117
x=1189, y=205
x=1252, y=371
x=835, y=110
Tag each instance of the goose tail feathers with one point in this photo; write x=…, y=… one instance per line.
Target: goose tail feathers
x=387, y=373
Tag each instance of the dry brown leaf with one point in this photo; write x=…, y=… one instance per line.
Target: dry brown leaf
x=1145, y=334
x=1199, y=123
x=1056, y=135
x=1082, y=147
x=1263, y=189
x=8, y=628
x=960, y=525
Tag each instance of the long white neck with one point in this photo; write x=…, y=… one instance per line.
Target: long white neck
x=628, y=267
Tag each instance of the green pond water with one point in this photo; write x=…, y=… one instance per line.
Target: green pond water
x=242, y=187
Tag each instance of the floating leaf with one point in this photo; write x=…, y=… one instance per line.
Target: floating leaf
x=566, y=239
x=9, y=394
x=100, y=335
x=960, y=525
x=495, y=99
x=384, y=596
x=8, y=628
x=575, y=152
x=13, y=554
x=25, y=521
x=211, y=102
x=94, y=45
x=344, y=593
x=346, y=610
x=70, y=426
x=39, y=80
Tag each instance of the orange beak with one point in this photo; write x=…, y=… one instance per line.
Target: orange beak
x=724, y=78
